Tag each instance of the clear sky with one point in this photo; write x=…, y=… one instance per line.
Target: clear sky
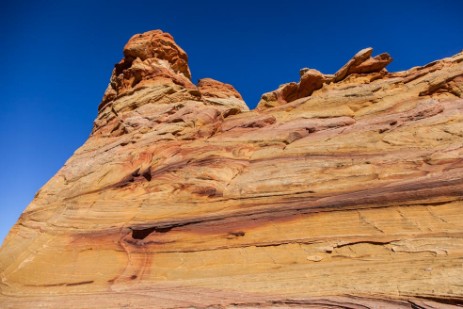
x=57, y=57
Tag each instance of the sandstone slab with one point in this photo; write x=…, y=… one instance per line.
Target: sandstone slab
x=338, y=191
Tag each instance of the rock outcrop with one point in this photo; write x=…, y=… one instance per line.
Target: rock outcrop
x=339, y=191
x=312, y=80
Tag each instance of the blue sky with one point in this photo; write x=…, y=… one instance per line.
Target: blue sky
x=57, y=57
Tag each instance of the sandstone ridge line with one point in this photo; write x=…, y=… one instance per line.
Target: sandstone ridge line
x=339, y=190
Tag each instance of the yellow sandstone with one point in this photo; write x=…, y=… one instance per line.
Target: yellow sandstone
x=337, y=191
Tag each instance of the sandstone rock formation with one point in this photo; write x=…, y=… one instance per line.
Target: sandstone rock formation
x=339, y=191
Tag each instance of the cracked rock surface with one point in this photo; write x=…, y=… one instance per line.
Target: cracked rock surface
x=337, y=191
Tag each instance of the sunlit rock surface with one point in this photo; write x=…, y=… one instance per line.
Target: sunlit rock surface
x=337, y=191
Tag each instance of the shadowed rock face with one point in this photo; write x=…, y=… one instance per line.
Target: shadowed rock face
x=338, y=191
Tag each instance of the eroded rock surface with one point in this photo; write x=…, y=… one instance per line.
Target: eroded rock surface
x=339, y=191
x=312, y=80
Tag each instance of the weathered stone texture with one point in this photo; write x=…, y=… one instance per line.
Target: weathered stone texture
x=339, y=191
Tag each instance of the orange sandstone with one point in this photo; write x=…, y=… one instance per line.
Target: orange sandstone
x=339, y=191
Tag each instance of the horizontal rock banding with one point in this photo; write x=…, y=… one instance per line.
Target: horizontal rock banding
x=338, y=191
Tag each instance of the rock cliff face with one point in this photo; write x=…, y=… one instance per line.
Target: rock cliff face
x=338, y=191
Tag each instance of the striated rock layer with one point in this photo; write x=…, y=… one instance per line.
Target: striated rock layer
x=338, y=191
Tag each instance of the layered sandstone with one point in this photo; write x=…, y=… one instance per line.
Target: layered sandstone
x=338, y=191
